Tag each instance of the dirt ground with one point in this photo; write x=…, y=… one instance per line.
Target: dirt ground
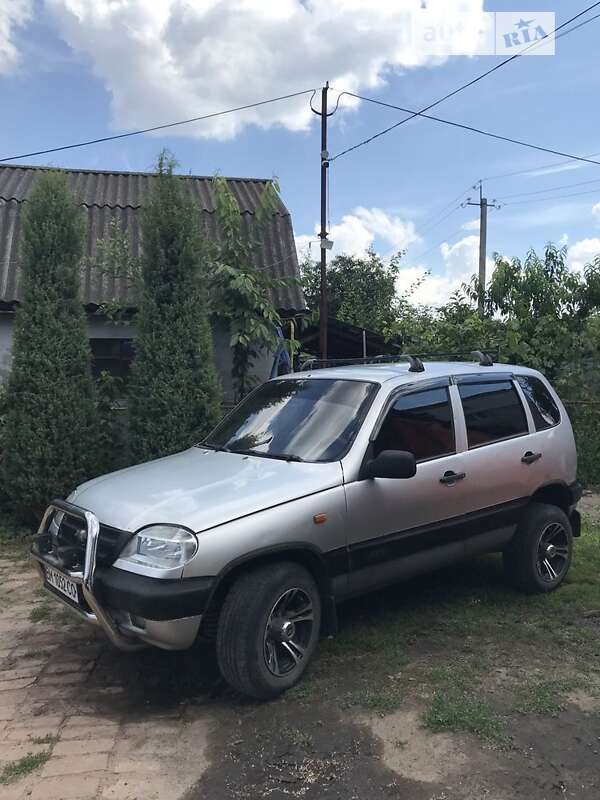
x=450, y=687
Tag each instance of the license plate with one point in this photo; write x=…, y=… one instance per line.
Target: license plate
x=62, y=584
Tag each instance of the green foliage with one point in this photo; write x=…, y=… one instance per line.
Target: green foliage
x=242, y=293
x=115, y=262
x=50, y=434
x=361, y=290
x=174, y=390
x=112, y=446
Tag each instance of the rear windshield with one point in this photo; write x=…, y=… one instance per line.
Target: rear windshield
x=301, y=419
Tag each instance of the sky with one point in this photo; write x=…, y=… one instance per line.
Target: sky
x=72, y=70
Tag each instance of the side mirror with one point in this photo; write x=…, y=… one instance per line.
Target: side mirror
x=391, y=464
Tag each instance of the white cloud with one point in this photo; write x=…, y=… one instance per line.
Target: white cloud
x=596, y=213
x=564, y=239
x=461, y=262
x=471, y=225
x=359, y=230
x=12, y=14
x=173, y=59
x=582, y=253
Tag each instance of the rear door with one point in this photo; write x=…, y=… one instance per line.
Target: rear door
x=394, y=525
x=497, y=428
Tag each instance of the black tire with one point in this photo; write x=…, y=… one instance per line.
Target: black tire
x=539, y=556
x=252, y=622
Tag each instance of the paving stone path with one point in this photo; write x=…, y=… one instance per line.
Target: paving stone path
x=61, y=702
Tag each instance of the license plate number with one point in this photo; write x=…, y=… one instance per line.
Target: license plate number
x=62, y=584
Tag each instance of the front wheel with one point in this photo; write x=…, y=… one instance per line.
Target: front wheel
x=539, y=557
x=268, y=629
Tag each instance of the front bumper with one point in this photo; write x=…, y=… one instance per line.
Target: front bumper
x=133, y=610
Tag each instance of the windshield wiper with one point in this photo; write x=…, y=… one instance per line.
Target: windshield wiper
x=217, y=447
x=278, y=456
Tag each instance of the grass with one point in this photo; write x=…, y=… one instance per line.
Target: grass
x=461, y=711
x=456, y=706
x=15, y=770
x=47, y=739
x=15, y=540
x=543, y=697
x=41, y=612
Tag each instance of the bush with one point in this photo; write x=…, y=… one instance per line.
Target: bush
x=174, y=391
x=51, y=421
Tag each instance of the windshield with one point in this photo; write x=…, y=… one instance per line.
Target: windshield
x=302, y=419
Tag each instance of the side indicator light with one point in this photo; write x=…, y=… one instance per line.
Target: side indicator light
x=319, y=519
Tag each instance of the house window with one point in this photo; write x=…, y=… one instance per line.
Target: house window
x=113, y=356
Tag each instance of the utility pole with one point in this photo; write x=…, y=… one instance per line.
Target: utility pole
x=323, y=311
x=483, y=212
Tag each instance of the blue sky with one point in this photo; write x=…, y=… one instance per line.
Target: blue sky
x=73, y=69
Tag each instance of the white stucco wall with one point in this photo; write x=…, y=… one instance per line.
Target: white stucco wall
x=101, y=328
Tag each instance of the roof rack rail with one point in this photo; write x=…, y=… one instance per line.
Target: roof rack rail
x=485, y=359
x=416, y=365
x=415, y=360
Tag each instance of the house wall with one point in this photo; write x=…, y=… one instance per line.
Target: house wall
x=101, y=328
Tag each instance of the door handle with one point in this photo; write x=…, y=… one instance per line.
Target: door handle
x=530, y=458
x=451, y=477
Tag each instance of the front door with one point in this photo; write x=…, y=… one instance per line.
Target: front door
x=396, y=527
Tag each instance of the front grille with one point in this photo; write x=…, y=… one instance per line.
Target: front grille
x=67, y=542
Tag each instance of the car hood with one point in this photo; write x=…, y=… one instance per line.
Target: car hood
x=200, y=489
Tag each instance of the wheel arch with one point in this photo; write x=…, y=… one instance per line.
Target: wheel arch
x=309, y=557
x=555, y=494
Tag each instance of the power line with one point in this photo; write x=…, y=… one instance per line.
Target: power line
x=469, y=83
x=434, y=218
x=439, y=244
x=157, y=127
x=549, y=189
x=547, y=199
x=429, y=228
x=531, y=170
x=471, y=129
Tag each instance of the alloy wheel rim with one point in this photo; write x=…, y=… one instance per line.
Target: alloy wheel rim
x=288, y=632
x=553, y=553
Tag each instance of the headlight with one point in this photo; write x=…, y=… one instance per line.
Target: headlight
x=161, y=546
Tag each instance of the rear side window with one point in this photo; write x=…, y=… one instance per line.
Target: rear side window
x=420, y=423
x=543, y=408
x=493, y=411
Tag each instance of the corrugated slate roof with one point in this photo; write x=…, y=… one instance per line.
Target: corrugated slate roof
x=108, y=196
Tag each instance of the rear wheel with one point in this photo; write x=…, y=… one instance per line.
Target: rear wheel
x=268, y=629
x=539, y=557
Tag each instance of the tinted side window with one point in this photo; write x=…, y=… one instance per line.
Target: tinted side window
x=543, y=408
x=421, y=423
x=492, y=411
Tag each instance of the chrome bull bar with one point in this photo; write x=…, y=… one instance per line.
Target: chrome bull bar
x=85, y=579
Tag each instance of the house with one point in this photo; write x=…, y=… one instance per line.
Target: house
x=112, y=199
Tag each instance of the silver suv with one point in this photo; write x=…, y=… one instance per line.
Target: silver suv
x=319, y=486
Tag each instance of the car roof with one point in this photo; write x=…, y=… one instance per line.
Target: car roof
x=399, y=372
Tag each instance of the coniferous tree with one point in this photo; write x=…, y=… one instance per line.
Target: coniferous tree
x=174, y=390
x=50, y=430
